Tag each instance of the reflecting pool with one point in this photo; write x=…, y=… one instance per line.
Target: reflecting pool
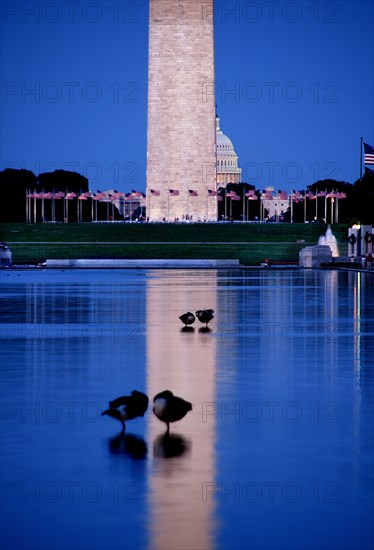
x=277, y=453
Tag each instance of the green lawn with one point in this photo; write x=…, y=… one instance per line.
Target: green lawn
x=250, y=243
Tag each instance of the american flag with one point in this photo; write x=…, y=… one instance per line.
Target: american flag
x=70, y=196
x=212, y=193
x=192, y=193
x=296, y=195
x=249, y=193
x=232, y=195
x=155, y=192
x=369, y=154
x=174, y=192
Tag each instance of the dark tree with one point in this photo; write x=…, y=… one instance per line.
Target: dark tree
x=62, y=180
x=362, y=199
x=323, y=206
x=13, y=187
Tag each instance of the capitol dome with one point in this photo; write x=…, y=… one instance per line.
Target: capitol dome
x=227, y=160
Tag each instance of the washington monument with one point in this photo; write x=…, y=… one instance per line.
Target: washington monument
x=181, y=148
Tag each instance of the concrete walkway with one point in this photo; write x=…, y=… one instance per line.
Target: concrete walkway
x=141, y=264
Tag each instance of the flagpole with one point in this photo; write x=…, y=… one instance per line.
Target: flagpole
x=325, y=214
x=304, y=205
x=361, y=159
x=43, y=213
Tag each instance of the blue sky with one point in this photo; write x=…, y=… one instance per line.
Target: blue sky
x=294, y=84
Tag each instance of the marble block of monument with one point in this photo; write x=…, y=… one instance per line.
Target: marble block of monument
x=314, y=256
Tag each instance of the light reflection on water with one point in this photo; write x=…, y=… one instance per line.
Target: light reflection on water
x=276, y=454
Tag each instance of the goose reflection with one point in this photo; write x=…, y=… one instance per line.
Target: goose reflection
x=170, y=446
x=130, y=445
x=188, y=329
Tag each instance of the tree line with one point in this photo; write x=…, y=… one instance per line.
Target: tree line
x=357, y=206
x=14, y=185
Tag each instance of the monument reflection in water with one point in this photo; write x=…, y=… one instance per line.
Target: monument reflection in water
x=277, y=452
x=183, y=360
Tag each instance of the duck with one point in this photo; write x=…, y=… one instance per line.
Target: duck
x=188, y=318
x=205, y=315
x=170, y=408
x=128, y=407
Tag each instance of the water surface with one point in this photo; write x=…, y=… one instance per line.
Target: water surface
x=276, y=454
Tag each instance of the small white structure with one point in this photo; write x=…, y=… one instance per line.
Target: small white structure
x=5, y=255
x=367, y=235
x=354, y=239
x=314, y=256
x=276, y=204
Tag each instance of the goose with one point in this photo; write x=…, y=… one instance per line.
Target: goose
x=205, y=315
x=128, y=407
x=170, y=408
x=187, y=318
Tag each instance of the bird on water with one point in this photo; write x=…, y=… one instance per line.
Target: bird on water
x=187, y=318
x=128, y=407
x=205, y=315
x=170, y=408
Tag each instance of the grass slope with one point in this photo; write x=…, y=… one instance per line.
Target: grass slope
x=250, y=243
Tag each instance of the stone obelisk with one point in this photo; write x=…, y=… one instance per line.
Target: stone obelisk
x=181, y=140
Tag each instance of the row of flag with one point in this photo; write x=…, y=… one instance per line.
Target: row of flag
x=266, y=195
x=191, y=193
x=99, y=196
x=250, y=195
